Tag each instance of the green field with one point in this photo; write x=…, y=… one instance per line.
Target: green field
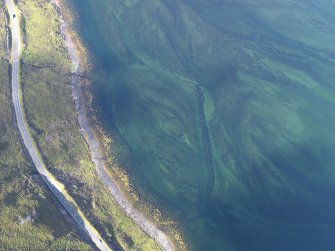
x=222, y=112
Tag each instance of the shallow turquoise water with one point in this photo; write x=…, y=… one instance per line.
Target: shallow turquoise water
x=223, y=113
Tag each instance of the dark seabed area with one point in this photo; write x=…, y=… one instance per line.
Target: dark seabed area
x=224, y=114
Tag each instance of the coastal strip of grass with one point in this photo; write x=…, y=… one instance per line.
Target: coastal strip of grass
x=46, y=78
x=30, y=219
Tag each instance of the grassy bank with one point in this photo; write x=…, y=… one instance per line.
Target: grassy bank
x=51, y=116
x=30, y=219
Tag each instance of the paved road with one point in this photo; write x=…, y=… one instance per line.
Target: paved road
x=53, y=184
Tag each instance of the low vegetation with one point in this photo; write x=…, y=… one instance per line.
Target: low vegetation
x=45, y=74
x=30, y=219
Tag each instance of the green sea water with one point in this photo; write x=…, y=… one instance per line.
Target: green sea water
x=224, y=114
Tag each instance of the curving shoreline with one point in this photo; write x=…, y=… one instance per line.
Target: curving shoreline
x=95, y=148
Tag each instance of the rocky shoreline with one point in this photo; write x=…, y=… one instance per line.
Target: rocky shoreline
x=95, y=147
